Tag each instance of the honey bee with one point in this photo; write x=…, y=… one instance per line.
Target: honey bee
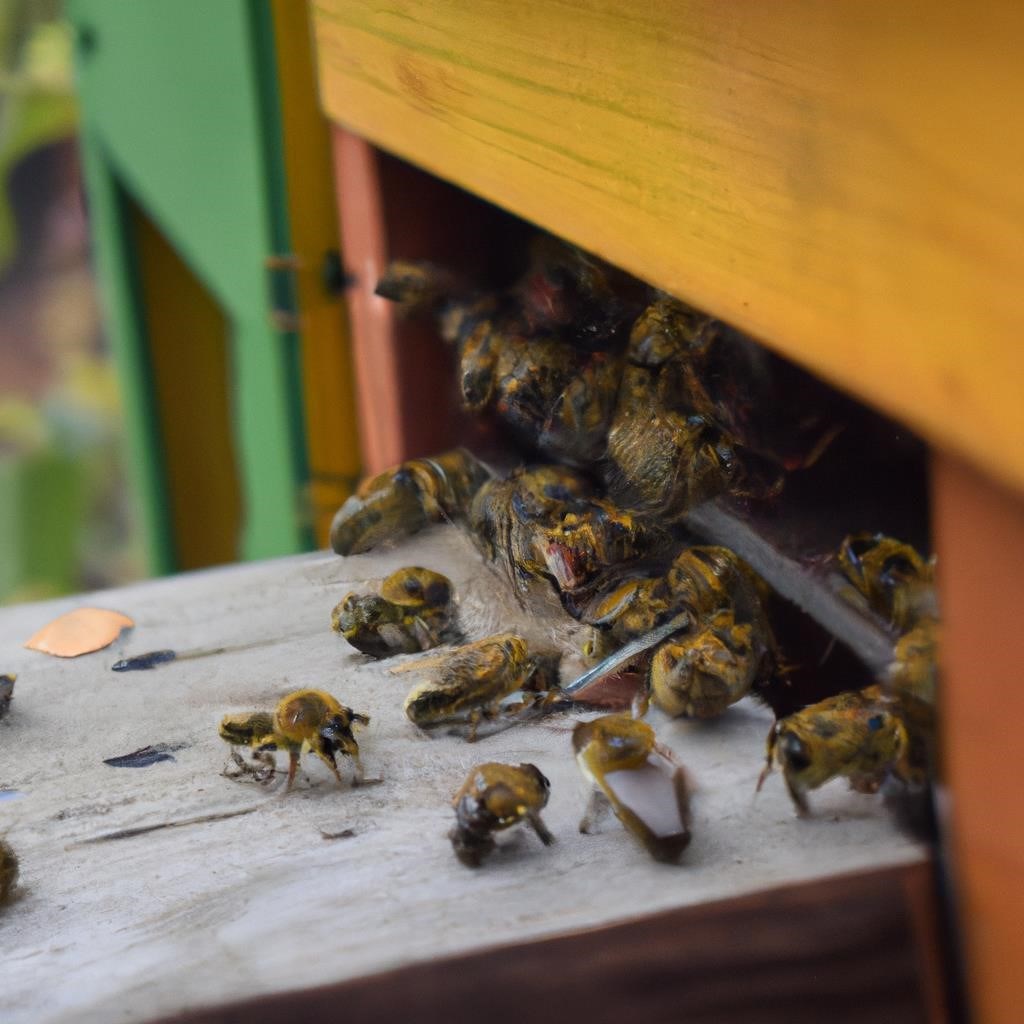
x=911, y=683
x=414, y=611
x=473, y=680
x=545, y=357
x=728, y=647
x=896, y=582
x=665, y=453
x=403, y=500
x=6, y=693
x=495, y=797
x=701, y=673
x=639, y=779
x=858, y=735
x=547, y=522
x=303, y=720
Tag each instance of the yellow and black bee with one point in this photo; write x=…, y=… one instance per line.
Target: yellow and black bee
x=725, y=650
x=495, y=797
x=891, y=576
x=303, y=720
x=414, y=611
x=857, y=735
x=638, y=779
x=469, y=684
x=403, y=500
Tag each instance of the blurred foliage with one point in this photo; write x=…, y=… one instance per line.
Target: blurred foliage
x=64, y=519
x=36, y=99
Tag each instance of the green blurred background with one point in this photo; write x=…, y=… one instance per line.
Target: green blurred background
x=65, y=518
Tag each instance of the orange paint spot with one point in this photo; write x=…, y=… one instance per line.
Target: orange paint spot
x=79, y=632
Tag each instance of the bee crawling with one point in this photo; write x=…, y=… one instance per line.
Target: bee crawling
x=473, y=680
x=414, y=611
x=403, y=500
x=858, y=735
x=495, y=797
x=304, y=720
x=639, y=779
x=9, y=870
x=892, y=577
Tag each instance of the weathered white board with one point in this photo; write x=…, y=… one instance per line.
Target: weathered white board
x=134, y=928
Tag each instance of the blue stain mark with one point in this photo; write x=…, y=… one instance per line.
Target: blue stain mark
x=10, y=794
x=142, y=661
x=145, y=756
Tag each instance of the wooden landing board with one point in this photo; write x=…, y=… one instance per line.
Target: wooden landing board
x=215, y=913
x=841, y=182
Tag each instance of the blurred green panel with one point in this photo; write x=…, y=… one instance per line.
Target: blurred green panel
x=179, y=116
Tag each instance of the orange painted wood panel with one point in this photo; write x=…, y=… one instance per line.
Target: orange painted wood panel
x=979, y=539
x=328, y=387
x=842, y=180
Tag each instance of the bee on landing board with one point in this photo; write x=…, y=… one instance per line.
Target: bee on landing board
x=304, y=720
x=495, y=797
x=637, y=778
x=469, y=684
x=857, y=735
x=414, y=611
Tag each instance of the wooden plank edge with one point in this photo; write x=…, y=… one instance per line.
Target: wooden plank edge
x=849, y=947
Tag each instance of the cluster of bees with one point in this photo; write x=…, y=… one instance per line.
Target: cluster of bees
x=639, y=408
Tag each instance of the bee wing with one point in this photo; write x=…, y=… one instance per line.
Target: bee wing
x=626, y=654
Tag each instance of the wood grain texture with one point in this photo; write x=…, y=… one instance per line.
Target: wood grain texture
x=843, y=949
x=171, y=919
x=979, y=534
x=839, y=180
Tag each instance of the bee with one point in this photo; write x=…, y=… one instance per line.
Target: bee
x=403, y=500
x=664, y=452
x=546, y=522
x=473, y=680
x=414, y=611
x=911, y=683
x=728, y=648
x=305, y=719
x=702, y=672
x=639, y=779
x=8, y=871
x=495, y=797
x=545, y=357
x=894, y=580
x=858, y=735
x=6, y=693
x=506, y=515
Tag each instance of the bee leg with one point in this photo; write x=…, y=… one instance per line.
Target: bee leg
x=641, y=699
x=267, y=766
x=357, y=771
x=293, y=764
x=799, y=797
x=773, y=737
x=240, y=766
x=540, y=828
x=474, y=721
x=597, y=807
x=327, y=756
